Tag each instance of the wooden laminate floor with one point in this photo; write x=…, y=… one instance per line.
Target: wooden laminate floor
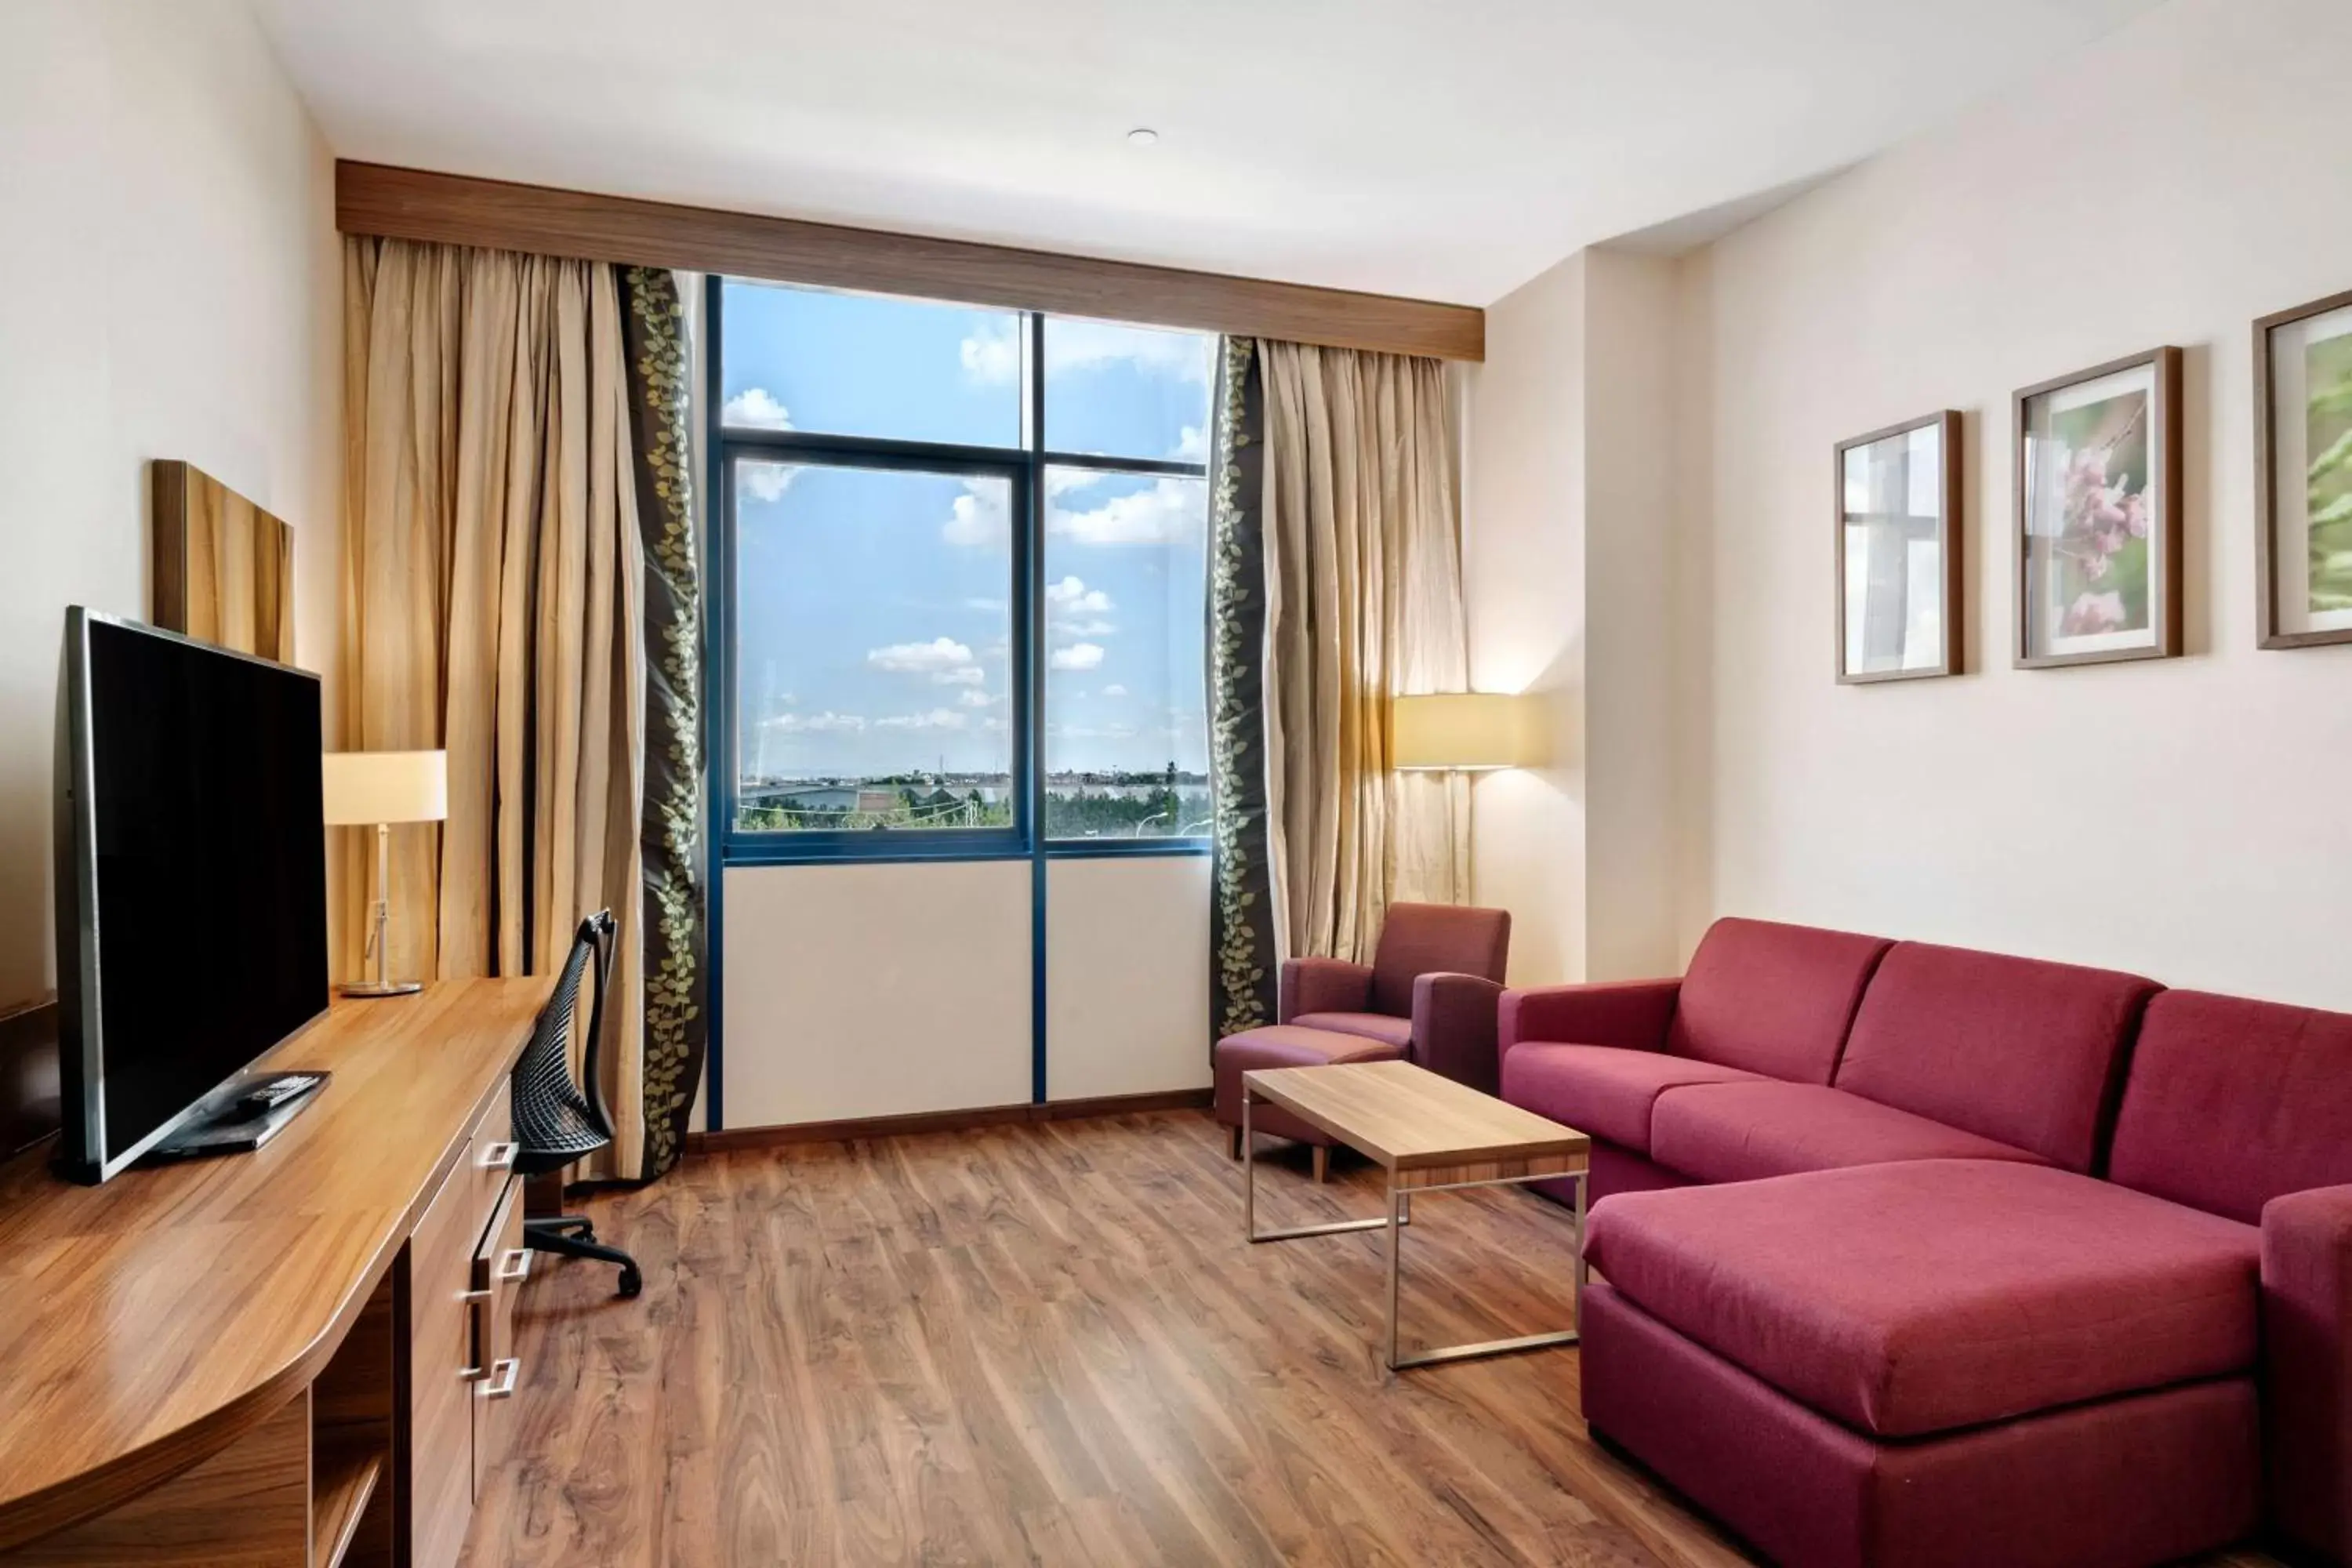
x=1047, y=1343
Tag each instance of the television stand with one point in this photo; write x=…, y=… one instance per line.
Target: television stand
x=261, y=1108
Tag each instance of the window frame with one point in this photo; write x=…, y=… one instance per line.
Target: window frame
x=1024, y=467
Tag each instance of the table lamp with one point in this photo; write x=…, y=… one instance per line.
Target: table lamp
x=382, y=788
x=1460, y=731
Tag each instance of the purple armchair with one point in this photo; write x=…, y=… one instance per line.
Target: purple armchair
x=1429, y=996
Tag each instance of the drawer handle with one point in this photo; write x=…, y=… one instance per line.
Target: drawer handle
x=515, y=1267
x=500, y=1156
x=502, y=1379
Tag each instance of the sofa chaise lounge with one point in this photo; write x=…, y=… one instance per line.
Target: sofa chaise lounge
x=1919, y=1255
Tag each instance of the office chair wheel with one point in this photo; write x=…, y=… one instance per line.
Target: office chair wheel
x=632, y=1281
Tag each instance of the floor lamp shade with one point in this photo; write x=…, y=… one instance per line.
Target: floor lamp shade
x=364, y=788
x=1458, y=730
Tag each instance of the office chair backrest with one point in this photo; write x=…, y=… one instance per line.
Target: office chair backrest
x=557, y=1120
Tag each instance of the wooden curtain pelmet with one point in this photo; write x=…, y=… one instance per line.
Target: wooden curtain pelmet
x=391, y=203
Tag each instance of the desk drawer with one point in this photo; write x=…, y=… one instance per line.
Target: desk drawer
x=441, y=1374
x=502, y=1263
x=489, y=1160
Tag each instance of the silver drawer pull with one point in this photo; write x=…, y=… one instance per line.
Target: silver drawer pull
x=502, y=1379
x=500, y=1156
x=515, y=1267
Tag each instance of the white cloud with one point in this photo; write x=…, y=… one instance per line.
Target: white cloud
x=1114, y=692
x=824, y=722
x=993, y=355
x=963, y=675
x=937, y=719
x=1077, y=656
x=1192, y=445
x=981, y=515
x=933, y=658
x=971, y=697
x=757, y=408
x=1169, y=510
x=1085, y=628
x=1071, y=596
x=766, y=481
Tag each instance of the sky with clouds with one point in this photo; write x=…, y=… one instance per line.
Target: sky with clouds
x=872, y=627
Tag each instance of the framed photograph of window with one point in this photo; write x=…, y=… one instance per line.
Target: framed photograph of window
x=2303, y=460
x=1898, y=551
x=2098, y=514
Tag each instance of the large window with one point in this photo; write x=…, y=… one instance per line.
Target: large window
x=962, y=592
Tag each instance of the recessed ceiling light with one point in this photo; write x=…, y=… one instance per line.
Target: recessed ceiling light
x=1143, y=136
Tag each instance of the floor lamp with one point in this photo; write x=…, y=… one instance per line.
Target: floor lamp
x=380, y=788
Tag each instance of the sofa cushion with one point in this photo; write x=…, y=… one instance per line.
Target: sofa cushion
x=2013, y=1049
x=1604, y=1090
x=1772, y=999
x=1911, y=1299
x=1397, y=1032
x=2230, y=1103
x=1743, y=1131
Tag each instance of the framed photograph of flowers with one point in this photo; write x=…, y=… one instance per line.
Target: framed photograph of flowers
x=1898, y=551
x=2303, y=432
x=2098, y=514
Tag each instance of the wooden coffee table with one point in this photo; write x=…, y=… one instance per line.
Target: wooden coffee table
x=1431, y=1134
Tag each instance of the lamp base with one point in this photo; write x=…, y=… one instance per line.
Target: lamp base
x=382, y=988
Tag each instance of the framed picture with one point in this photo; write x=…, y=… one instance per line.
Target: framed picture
x=2303, y=457
x=2098, y=514
x=1898, y=551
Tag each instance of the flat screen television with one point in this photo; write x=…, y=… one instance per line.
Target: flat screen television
x=192, y=879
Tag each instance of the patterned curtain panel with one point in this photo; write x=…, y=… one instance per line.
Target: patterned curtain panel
x=676, y=978
x=1241, y=953
x=491, y=610
x=1364, y=589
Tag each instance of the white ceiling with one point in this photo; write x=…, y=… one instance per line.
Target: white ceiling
x=1446, y=148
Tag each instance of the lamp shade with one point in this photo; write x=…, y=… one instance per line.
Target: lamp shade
x=1459, y=729
x=368, y=787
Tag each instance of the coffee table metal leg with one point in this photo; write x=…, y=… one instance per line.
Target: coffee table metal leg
x=1483, y=1347
x=1249, y=1197
x=1396, y=1241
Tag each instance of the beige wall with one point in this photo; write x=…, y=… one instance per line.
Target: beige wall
x=2192, y=819
x=2187, y=819
x=169, y=287
x=1523, y=573
x=1568, y=564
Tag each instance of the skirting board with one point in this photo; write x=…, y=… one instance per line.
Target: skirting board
x=943, y=1120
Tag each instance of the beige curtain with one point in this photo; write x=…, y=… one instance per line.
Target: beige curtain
x=492, y=609
x=1364, y=602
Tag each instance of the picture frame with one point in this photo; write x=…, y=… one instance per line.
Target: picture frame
x=1898, y=551
x=2097, y=532
x=2302, y=531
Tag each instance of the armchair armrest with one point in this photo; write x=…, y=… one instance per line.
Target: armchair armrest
x=1632, y=1013
x=1323, y=985
x=1453, y=1027
x=2307, y=1366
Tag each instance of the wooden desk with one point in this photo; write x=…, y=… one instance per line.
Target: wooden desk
x=219, y=1361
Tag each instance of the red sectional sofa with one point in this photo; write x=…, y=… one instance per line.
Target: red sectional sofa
x=1919, y=1256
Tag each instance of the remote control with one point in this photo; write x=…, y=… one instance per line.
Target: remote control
x=264, y=1100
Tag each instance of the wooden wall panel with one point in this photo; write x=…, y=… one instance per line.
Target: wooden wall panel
x=224, y=568
x=457, y=209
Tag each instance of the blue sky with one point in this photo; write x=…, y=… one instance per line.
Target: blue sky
x=873, y=631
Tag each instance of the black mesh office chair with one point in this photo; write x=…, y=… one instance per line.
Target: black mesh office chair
x=555, y=1121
